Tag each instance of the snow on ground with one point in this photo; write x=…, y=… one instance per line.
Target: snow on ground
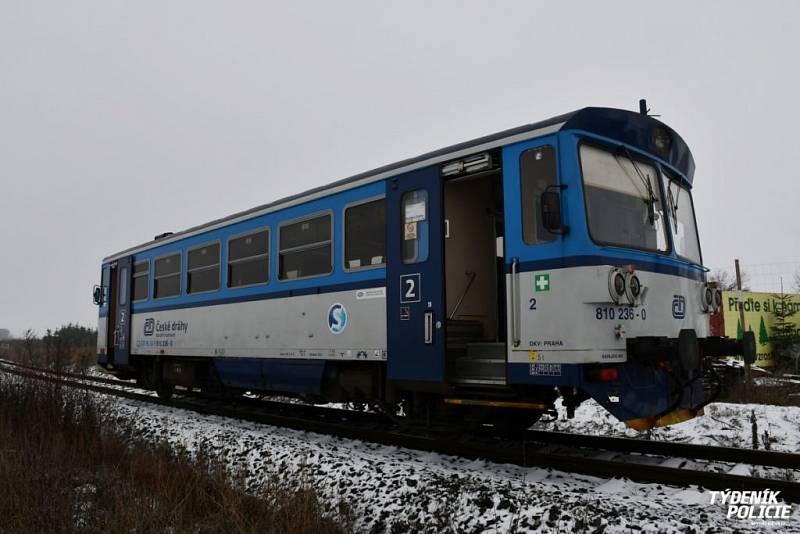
x=399, y=490
x=93, y=371
x=770, y=381
x=724, y=424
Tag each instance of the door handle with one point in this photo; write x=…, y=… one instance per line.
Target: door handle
x=116, y=336
x=428, y=327
x=515, y=327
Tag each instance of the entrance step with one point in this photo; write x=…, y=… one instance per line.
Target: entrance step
x=485, y=382
x=481, y=368
x=464, y=329
x=460, y=332
x=484, y=363
x=486, y=350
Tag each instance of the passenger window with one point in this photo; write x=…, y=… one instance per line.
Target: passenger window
x=414, y=210
x=305, y=248
x=167, y=277
x=141, y=280
x=248, y=259
x=537, y=171
x=365, y=235
x=202, y=269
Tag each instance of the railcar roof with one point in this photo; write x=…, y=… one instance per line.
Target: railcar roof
x=613, y=123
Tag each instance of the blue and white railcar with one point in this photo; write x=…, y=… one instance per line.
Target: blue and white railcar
x=482, y=280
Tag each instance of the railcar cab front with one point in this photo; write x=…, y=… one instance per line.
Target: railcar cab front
x=504, y=267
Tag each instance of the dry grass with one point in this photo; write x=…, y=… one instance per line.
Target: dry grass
x=63, y=468
x=777, y=395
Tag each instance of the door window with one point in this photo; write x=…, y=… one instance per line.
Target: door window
x=414, y=211
x=123, y=286
x=537, y=172
x=106, y=284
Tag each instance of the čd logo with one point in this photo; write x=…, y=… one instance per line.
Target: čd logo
x=678, y=306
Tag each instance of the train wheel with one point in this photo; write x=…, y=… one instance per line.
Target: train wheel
x=165, y=391
x=515, y=421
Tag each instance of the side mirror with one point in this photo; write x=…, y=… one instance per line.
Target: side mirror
x=551, y=212
x=97, y=295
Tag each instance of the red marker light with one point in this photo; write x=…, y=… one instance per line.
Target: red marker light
x=607, y=375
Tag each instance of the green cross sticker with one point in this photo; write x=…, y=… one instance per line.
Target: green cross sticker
x=541, y=282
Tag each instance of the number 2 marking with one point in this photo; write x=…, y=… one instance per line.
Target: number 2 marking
x=532, y=303
x=410, y=285
x=410, y=292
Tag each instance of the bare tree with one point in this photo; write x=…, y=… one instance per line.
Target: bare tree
x=727, y=282
x=29, y=341
x=797, y=281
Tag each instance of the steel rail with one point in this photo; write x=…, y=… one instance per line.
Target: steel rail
x=784, y=460
x=524, y=453
x=284, y=407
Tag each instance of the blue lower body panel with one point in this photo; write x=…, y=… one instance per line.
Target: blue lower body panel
x=638, y=392
x=240, y=372
x=272, y=374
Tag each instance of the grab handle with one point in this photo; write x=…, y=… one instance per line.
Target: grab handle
x=515, y=336
x=428, y=327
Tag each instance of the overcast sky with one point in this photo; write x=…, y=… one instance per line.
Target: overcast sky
x=122, y=120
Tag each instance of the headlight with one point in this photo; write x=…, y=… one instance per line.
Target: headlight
x=633, y=288
x=707, y=299
x=616, y=285
x=717, y=299
x=619, y=284
x=662, y=140
x=710, y=298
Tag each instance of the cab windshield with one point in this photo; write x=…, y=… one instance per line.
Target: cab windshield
x=681, y=218
x=623, y=199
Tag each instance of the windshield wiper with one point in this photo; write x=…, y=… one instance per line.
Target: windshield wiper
x=651, y=196
x=673, y=200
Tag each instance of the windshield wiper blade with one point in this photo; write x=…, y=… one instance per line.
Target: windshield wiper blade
x=651, y=196
x=673, y=208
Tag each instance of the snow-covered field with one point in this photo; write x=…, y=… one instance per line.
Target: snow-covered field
x=397, y=490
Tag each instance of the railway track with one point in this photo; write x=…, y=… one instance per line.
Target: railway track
x=575, y=453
